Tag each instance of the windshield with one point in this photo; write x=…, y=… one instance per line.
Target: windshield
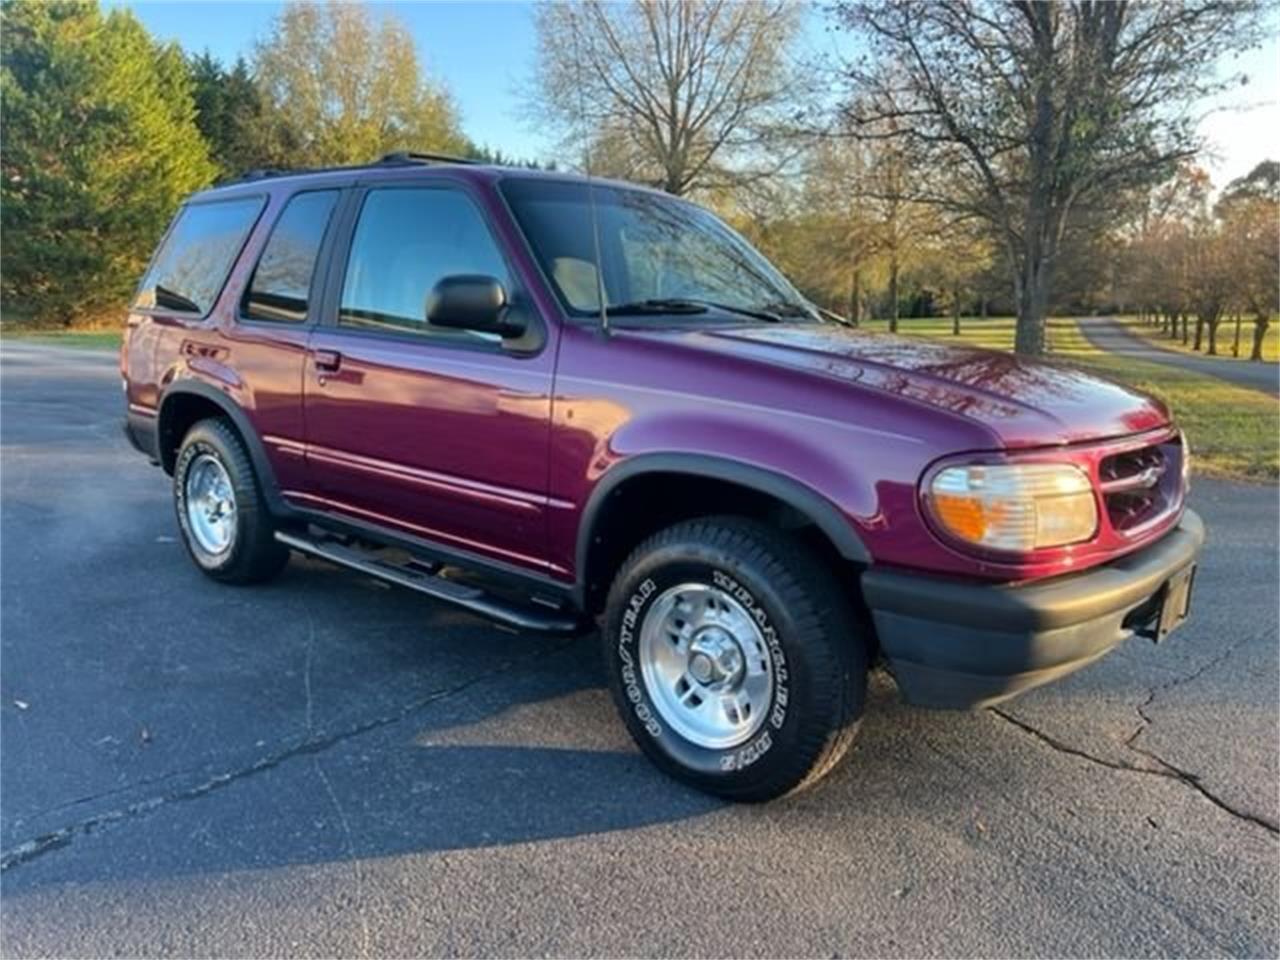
x=661, y=255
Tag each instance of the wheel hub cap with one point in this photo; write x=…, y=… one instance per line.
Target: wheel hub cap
x=715, y=659
x=706, y=665
x=210, y=505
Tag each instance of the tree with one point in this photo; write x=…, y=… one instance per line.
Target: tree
x=229, y=114
x=682, y=93
x=953, y=261
x=1210, y=279
x=100, y=146
x=1250, y=211
x=1038, y=107
x=339, y=88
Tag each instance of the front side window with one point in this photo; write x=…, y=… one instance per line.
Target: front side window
x=655, y=249
x=195, y=258
x=406, y=241
x=281, y=286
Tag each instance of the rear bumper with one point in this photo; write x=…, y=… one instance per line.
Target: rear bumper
x=962, y=645
x=140, y=431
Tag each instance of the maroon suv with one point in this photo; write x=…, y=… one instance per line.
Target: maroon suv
x=552, y=400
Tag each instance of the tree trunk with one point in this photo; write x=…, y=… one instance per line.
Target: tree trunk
x=1260, y=325
x=893, y=292
x=1186, y=320
x=855, y=298
x=1033, y=302
x=982, y=308
x=955, y=313
x=1199, y=333
x=1235, y=345
x=1213, y=334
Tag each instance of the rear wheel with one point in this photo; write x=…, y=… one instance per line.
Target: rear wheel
x=734, y=658
x=223, y=517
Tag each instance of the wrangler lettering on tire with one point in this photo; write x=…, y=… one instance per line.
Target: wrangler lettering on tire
x=734, y=658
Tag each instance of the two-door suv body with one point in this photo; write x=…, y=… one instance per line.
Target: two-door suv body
x=405, y=368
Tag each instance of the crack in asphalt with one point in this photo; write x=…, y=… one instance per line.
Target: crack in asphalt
x=1101, y=863
x=1163, y=767
x=333, y=794
x=309, y=745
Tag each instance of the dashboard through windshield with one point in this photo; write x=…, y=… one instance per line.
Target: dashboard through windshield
x=662, y=256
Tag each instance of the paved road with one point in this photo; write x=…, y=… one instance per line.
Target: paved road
x=1106, y=334
x=325, y=767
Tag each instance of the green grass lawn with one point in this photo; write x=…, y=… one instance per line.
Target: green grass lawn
x=1234, y=432
x=90, y=339
x=1226, y=337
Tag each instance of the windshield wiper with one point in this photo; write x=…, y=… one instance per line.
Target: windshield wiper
x=689, y=305
x=789, y=308
x=656, y=305
x=832, y=317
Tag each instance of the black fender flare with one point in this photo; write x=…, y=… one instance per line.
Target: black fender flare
x=814, y=506
x=244, y=426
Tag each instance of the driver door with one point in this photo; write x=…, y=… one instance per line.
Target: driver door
x=440, y=434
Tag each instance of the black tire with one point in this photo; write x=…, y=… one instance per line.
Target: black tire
x=819, y=662
x=253, y=555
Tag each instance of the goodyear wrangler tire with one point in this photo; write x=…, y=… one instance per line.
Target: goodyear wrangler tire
x=734, y=658
x=221, y=512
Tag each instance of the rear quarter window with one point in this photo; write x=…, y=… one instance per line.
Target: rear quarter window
x=196, y=256
x=280, y=290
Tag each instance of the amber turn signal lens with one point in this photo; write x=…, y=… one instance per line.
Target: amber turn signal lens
x=1015, y=507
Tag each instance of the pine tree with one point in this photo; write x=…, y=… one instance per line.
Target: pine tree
x=100, y=146
x=229, y=114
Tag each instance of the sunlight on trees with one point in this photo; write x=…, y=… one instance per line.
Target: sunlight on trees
x=681, y=95
x=974, y=156
x=1192, y=259
x=340, y=86
x=100, y=147
x=1032, y=110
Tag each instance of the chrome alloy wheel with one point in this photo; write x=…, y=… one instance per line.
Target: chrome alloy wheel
x=210, y=505
x=706, y=665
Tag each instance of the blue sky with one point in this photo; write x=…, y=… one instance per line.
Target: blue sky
x=484, y=53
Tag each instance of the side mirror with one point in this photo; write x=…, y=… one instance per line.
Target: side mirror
x=473, y=302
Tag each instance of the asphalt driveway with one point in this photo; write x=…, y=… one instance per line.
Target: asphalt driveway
x=326, y=767
x=1106, y=334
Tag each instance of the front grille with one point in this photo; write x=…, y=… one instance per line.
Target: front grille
x=1139, y=486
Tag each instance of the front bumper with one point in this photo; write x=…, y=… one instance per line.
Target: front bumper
x=962, y=645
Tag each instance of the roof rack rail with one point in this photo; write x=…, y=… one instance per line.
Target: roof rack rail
x=411, y=156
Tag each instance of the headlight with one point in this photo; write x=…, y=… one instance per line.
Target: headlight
x=1014, y=507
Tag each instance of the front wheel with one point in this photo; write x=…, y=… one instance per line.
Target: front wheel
x=734, y=658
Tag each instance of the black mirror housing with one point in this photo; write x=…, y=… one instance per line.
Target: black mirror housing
x=473, y=302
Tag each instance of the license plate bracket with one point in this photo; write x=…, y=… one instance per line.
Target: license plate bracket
x=1175, y=603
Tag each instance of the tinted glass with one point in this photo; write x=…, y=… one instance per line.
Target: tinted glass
x=281, y=285
x=653, y=247
x=192, y=264
x=405, y=242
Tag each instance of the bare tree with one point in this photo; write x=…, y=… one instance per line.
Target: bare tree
x=1039, y=106
x=680, y=93
x=1250, y=214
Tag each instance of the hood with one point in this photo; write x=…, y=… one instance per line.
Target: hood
x=1025, y=403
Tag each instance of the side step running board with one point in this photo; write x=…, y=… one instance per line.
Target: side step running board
x=414, y=578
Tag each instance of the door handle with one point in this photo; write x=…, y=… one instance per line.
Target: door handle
x=326, y=361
